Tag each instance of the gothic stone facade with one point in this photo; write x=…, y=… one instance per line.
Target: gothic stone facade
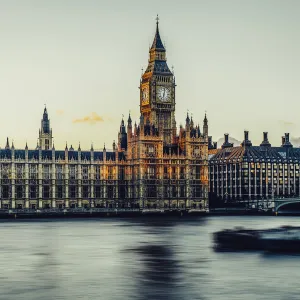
x=151, y=166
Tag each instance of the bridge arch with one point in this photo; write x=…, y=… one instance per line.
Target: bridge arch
x=289, y=203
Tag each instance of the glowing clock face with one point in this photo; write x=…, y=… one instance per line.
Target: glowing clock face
x=164, y=94
x=145, y=94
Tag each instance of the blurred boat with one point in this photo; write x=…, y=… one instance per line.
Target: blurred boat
x=282, y=239
x=285, y=240
x=236, y=239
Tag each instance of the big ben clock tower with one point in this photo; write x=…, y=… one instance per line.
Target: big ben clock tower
x=157, y=91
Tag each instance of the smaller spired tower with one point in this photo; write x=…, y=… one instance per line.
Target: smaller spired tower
x=122, y=137
x=205, y=126
x=45, y=133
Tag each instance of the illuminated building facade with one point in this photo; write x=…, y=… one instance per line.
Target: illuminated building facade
x=252, y=176
x=151, y=166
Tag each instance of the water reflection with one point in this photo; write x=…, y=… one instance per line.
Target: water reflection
x=162, y=272
x=139, y=259
x=159, y=275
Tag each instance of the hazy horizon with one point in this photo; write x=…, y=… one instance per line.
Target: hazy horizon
x=237, y=60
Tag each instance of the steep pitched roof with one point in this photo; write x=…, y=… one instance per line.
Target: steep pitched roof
x=157, y=43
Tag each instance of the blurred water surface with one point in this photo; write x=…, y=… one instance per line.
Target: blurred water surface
x=142, y=259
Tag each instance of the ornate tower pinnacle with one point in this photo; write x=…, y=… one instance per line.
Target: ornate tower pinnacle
x=7, y=144
x=45, y=133
x=129, y=121
x=157, y=50
x=122, y=136
x=205, y=126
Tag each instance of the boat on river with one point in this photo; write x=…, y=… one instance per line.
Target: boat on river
x=287, y=240
x=282, y=239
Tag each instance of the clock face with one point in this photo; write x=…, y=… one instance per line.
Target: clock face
x=164, y=94
x=145, y=96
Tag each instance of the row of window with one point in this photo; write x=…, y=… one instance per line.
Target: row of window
x=60, y=192
x=252, y=171
x=246, y=181
x=258, y=178
x=259, y=166
x=6, y=173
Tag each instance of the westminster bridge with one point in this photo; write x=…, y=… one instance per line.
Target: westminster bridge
x=288, y=204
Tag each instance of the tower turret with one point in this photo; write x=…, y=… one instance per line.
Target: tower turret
x=187, y=121
x=192, y=122
x=129, y=121
x=45, y=132
x=205, y=126
x=7, y=144
x=122, y=136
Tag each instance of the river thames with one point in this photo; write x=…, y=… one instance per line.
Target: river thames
x=142, y=259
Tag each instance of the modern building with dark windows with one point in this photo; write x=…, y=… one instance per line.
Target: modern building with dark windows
x=153, y=165
x=252, y=176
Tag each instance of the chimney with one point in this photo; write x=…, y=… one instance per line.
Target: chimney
x=226, y=137
x=246, y=141
x=226, y=143
x=287, y=137
x=265, y=141
x=286, y=141
x=210, y=143
x=282, y=140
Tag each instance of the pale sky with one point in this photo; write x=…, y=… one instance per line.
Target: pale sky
x=238, y=60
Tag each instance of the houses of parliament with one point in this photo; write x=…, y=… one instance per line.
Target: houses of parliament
x=153, y=165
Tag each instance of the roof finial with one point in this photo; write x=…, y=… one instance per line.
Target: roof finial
x=7, y=144
x=129, y=118
x=157, y=20
x=187, y=117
